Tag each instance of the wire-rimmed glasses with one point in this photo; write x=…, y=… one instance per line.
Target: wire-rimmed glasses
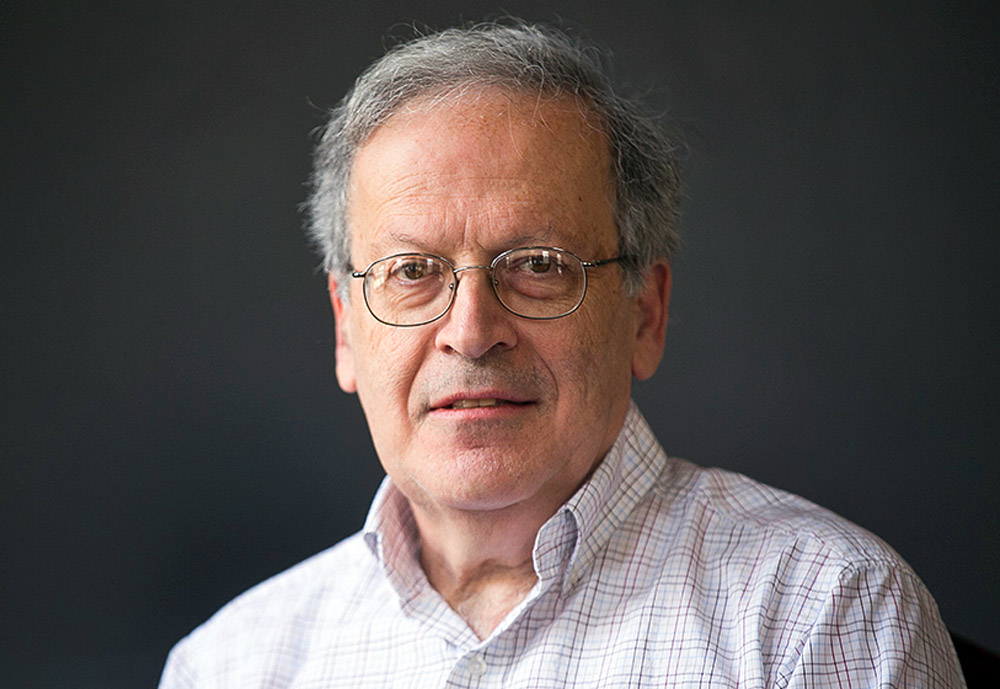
x=537, y=282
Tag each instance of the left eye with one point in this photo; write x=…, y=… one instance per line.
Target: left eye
x=540, y=263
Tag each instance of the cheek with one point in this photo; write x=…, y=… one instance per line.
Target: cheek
x=388, y=362
x=602, y=352
x=585, y=361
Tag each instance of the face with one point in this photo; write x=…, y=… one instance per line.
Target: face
x=467, y=178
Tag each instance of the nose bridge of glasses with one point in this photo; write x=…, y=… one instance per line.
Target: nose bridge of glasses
x=458, y=277
x=465, y=268
x=489, y=269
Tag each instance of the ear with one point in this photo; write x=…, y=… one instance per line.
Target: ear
x=345, y=355
x=654, y=307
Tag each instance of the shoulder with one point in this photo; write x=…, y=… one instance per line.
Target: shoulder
x=337, y=571
x=777, y=559
x=819, y=591
x=720, y=504
x=270, y=623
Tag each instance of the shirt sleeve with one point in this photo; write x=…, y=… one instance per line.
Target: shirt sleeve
x=176, y=673
x=879, y=627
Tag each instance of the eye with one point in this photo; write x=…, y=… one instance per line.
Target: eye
x=535, y=264
x=413, y=270
x=538, y=264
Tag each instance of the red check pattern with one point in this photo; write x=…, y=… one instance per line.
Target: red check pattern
x=657, y=573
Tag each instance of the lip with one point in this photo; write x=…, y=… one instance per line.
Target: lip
x=510, y=401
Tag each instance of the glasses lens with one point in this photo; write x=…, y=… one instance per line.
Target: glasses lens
x=408, y=289
x=540, y=282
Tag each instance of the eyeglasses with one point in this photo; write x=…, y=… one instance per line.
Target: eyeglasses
x=538, y=282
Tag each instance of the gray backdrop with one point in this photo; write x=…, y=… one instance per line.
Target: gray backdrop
x=172, y=429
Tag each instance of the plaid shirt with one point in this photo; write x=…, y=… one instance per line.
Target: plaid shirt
x=656, y=573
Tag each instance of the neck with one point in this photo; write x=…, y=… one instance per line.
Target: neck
x=480, y=562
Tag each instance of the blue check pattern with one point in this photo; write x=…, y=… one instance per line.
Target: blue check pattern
x=656, y=573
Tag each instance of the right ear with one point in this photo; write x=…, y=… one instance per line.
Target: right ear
x=345, y=354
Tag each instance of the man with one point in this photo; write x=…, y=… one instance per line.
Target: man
x=498, y=226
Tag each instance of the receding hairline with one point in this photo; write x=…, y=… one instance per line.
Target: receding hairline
x=516, y=101
x=568, y=117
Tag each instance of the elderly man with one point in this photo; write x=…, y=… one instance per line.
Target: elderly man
x=498, y=226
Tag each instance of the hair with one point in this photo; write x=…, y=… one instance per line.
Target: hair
x=520, y=58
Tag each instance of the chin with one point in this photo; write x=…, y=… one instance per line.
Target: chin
x=478, y=489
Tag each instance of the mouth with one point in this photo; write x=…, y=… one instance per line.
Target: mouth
x=484, y=402
x=473, y=403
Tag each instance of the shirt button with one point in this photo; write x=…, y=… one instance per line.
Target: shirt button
x=477, y=665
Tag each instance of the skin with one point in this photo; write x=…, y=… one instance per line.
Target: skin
x=467, y=177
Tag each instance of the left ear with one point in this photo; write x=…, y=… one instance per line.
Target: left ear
x=654, y=307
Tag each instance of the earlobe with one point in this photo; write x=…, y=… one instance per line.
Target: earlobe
x=346, y=377
x=654, y=308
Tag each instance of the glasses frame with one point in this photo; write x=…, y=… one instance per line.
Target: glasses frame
x=456, y=278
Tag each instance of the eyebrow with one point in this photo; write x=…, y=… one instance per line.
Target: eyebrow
x=406, y=240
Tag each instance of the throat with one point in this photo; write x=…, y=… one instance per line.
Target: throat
x=486, y=607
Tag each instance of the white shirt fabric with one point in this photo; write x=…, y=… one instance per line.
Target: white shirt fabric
x=655, y=573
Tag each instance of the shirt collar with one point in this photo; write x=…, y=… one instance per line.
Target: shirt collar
x=566, y=544
x=390, y=532
x=619, y=484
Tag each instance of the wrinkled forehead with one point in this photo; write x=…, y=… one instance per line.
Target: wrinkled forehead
x=490, y=109
x=464, y=155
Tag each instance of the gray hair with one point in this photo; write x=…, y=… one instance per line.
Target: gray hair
x=518, y=58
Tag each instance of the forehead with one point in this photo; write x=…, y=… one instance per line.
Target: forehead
x=489, y=168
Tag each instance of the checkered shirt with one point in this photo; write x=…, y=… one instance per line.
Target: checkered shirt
x=655, y=573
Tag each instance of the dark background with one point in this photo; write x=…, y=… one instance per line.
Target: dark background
x=172, y=429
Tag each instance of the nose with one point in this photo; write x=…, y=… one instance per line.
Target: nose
x=477, y=322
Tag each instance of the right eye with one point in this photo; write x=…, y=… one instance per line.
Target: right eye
x=412, y=270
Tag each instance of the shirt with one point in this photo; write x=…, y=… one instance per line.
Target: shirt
x=655, y=573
